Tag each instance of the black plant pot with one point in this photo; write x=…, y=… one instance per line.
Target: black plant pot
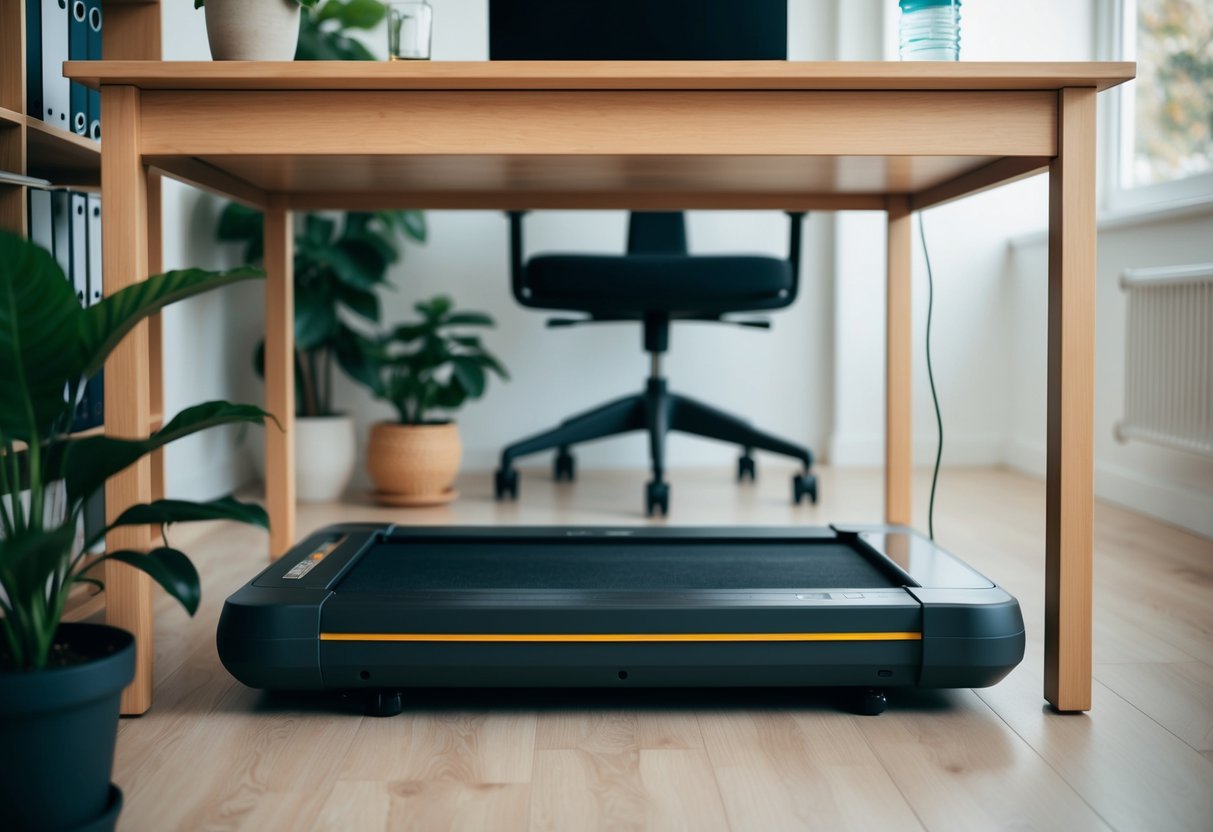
x=57, y=732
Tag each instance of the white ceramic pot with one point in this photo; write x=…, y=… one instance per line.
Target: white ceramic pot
x=252, y=30
x=325, y=455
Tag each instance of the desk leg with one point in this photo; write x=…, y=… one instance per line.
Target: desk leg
x=898, y=455
x=280, y=375
x=1071, y=405
x=124, y=192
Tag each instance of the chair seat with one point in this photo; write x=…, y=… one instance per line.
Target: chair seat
x=674, y=284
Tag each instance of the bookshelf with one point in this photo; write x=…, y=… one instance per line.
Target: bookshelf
x=31, y=147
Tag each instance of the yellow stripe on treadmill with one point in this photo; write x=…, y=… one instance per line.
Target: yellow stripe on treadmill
x=616, y=637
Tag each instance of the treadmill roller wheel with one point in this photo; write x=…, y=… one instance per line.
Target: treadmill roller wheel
x=505, y=483
x=564, y=468
x=657, y=497
x=382, y=702
x=868, y=702
x=804, y=485
x=746, y=469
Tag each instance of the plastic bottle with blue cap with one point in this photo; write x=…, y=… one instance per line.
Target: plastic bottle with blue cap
x=930, y=30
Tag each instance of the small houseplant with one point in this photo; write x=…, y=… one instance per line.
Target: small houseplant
x=253, y=30
x=339, y=269
x=60, y=683
x=272, y=30
x=426, y=370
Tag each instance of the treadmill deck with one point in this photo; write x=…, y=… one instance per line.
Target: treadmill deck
x=380, y=607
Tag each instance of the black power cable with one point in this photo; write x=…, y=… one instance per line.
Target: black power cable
x=922, y=235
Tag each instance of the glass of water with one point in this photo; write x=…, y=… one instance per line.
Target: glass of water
x=410, y=26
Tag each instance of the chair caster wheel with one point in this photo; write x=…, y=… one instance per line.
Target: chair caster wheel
x=804, y=485
x=868, y=702
x=657, y=497
x=746, y=469
x=382, y=702
x=505, y=483
x=564, y=468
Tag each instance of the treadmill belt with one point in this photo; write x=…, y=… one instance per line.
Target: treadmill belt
x=634, y=566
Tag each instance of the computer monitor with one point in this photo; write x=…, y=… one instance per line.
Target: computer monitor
x=638, y=30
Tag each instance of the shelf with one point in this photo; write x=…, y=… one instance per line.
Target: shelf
x=63, y=158
x=10, y=118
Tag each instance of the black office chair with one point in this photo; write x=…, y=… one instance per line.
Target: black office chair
x=656, y=282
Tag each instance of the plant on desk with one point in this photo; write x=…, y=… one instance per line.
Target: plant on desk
x=253, y=30
x=60, y=683
x=426, y=370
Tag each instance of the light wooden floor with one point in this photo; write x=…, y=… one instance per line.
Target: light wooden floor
x=212, y=754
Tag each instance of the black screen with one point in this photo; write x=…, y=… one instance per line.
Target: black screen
x=638, y=30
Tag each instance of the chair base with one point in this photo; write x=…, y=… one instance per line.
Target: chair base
x=657, y=411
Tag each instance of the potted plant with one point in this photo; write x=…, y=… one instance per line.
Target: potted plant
x=339, y=269
x=60, y=683
x=426, y=370
x=275, y=30
x=253, y=30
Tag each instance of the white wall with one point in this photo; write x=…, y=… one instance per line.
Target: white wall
x=207, y=340
x=1172, y=485
x=967, y=243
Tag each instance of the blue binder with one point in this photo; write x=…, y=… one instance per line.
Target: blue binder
x=94, y=54
x=33, y=58
x=77, y=50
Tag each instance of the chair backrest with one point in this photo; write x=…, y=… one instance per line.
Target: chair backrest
x=653, y=232
x=638, y=30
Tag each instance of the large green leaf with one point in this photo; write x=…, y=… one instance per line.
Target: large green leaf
x=358, y=358
x=468, y=319
x=30, y=558
x=363, y=304
x=39, y=337
x=89, y=462
x=162, y=512
x=470, y=375
x=168, y=567
x=107, y=322
x=356, y=264
x=354, y=14
x=315, y=317
x=411, y=224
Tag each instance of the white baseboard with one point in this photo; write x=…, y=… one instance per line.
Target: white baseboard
x=1183, y=507
x=860, y=451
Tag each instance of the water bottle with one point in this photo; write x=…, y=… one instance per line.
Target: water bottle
x=930, y=30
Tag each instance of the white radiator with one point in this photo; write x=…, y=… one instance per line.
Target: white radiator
x=1169, y=357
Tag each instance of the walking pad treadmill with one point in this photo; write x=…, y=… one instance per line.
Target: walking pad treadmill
x=378, y=609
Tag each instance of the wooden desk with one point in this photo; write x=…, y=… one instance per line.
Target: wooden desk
x=787, y=135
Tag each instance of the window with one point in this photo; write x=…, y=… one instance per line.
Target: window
x=1162, y=142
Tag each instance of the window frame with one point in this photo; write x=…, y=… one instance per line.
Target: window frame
x=1114, y=41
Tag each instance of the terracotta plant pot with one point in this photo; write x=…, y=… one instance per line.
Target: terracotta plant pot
x=252, y=30
x=414, y=465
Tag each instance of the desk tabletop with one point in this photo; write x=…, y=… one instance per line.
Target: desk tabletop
x=601, y=75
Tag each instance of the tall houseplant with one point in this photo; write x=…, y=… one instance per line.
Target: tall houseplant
x=426, y=370
x=60, y=683
x=341, y=263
